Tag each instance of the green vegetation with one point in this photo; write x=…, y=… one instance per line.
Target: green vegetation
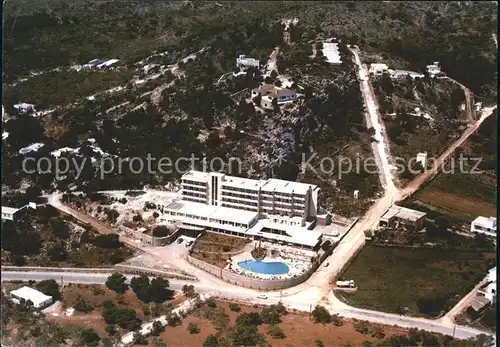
x=117, y=282
x=49, y=287
x=61, y=88
x=193, y=328
x=417, y=281
x=155, y=291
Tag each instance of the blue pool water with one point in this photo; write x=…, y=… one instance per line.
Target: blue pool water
x=271, y=268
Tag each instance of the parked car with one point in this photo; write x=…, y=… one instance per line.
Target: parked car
x=189, y=243
x=262, y=296
x=180, y=240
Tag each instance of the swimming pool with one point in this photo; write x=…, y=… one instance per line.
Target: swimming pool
x=262, y=267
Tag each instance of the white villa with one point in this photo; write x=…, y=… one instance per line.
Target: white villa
x=484, y=225
x=269, y=92
x=271, y=210
x=243, y=62
x=378, y=69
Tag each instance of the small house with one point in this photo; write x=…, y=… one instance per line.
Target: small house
x=25, y=108
x=39, y=299
x=484, y=225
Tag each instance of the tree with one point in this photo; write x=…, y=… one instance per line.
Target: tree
x=140, y=286
x=83, y=305
x=193, y=328
x=89, y=337
x=274, y=74
x=251, y=318
x=159, y=291
x=234, y=307
x=109, y=312
x=276, y=332
x=111, y=329
x=321, y=315
x=188, y=290
x=140, y=339
x=126, y=318
x=117, y=283
x=160, y=231
x=246, y=335
x=110, y=241
x=432, y=305
x=60, y=228
x=337, y=320
x=362, y=327
x=57, y=252
x=270, y=315
x=211, y=303
x=211, y=341
x=443, y=222
x=157, y=329
x=49, y=287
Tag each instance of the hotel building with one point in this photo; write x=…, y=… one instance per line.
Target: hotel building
x=272, y=209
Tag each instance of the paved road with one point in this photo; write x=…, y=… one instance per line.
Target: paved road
x=273, y=297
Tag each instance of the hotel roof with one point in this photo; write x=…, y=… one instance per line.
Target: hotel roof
x=298, y=235
x=210, y=211
x=268, y=185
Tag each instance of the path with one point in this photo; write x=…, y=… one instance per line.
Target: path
x=415, y=184
x=470, y=107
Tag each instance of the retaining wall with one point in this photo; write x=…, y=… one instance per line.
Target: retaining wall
x=255, y=283
x=131, y=269
x=56, y=269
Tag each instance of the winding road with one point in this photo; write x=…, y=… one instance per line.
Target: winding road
x=316, y=290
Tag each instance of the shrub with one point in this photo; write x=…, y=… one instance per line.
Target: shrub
x=321, y=315
x=211, y=303
x=234, y=307
x=362, y=327
x=83, y=305
x=276, y=332
x=193, y=328
x=319, y=343
x=211, y=341
x=157, y=329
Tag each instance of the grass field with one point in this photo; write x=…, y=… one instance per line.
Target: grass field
x=463, y=196
x=390, y=279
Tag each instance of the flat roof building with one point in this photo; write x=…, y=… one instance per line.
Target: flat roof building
x=244, y=62
x=39, y=299
x=484, y=225
x=272, y=209
x=378, y=69
x=408, y=217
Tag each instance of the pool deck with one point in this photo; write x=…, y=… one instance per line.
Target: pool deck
x=295, y=267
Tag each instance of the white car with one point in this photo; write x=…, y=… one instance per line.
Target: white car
x=262, y=296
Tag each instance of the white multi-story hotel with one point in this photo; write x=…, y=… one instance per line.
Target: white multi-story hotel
x=272, y=209
x=266, y=197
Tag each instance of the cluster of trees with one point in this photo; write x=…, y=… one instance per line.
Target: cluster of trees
x=125, y=318
x=157, y=290
x=321, y=315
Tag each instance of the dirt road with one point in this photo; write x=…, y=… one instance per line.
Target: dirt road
x=470, y=107
x=438, y=164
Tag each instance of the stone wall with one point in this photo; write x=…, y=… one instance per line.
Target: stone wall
x=249, y=282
